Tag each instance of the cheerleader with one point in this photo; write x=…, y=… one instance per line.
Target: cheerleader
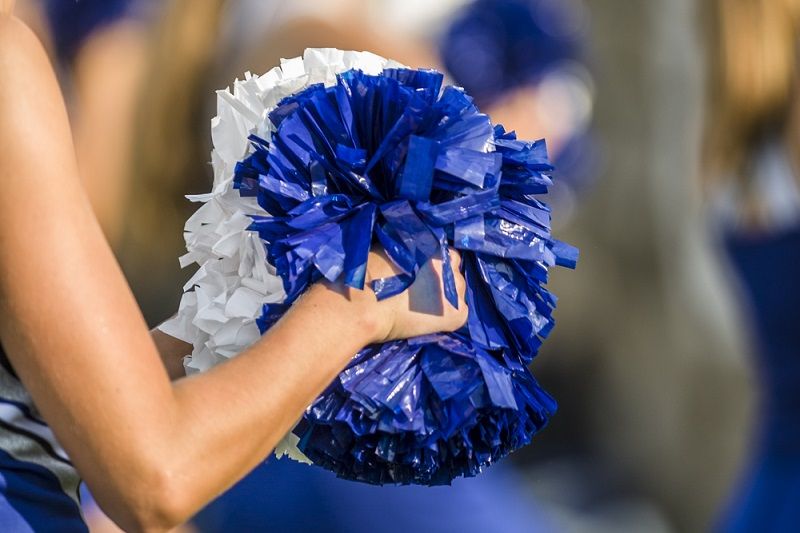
x=752, y=164
x=85, y=390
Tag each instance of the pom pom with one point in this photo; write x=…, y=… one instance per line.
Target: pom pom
x=320, y=160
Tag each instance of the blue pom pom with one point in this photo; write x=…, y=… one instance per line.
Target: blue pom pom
x=395, y=160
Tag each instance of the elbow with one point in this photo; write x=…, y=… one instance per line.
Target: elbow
x=158, y=517
x=153, y=503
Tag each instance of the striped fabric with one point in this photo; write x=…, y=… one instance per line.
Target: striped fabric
x=38, y=484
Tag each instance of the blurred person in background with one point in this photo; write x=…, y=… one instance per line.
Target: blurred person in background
x=649, y=368
x=99, y=48
x=751, y=176
x=524, y=63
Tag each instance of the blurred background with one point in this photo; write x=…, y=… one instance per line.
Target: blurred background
x=673, y=126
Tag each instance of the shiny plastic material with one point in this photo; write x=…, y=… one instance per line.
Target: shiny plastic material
x=394, y=160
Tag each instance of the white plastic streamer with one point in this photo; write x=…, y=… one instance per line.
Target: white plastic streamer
x=223, y=299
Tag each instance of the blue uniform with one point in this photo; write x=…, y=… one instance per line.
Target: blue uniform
x=38, y=484
x=769, y=499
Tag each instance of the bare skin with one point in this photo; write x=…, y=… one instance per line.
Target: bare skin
x=152, y=451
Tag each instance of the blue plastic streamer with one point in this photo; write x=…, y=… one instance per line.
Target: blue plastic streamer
x=396, y=161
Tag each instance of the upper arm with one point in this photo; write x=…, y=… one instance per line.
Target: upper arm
x=68, y=321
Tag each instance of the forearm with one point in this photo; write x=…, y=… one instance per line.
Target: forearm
x=222, y=423
x=260, y=394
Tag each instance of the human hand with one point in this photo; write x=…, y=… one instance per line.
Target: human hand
x=420, y=310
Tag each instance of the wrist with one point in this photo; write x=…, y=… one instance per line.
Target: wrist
x=352, y=312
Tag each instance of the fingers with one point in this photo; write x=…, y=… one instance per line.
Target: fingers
x=459, y=315
x=379, y=265
x=455, y=258
x=455, y=261
x=423, y=308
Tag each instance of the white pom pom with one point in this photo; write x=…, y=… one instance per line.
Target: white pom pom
x=223, y=299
